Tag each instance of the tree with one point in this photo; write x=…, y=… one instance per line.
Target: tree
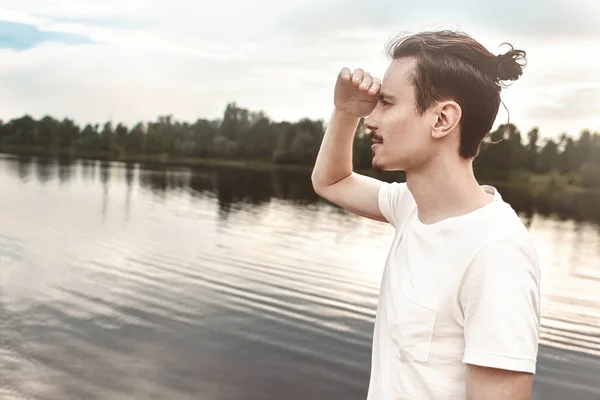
x=362, y=153
x=531, y=151
x=282, y=153
x=121, y=133
x=584, y=148
x=498, y=158
x=203, y=134
x=107, y=138
x=21, y=131
x=251, y=135
x=89, y=138
x=567, y=159
x=549, y=157
x=235, y=122
x=135, y=143
x=590, y=175
x=157, y=139
x=69, y=133
x=49, y=132
x=260, y=139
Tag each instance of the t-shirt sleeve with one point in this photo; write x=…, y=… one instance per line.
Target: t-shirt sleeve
x=394, y=202
x=500, y=298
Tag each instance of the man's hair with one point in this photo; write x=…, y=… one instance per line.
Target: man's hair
x=454, y=66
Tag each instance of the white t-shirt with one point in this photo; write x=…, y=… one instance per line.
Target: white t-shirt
x=463, y=290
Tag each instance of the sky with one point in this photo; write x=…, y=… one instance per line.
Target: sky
x=133, y=60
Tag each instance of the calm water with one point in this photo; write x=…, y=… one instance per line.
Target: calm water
x=123, y=282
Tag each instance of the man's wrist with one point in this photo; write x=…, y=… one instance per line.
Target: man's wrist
x=344, y=116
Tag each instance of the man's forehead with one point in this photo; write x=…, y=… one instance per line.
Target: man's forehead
x=400, y=69
x=398, y=74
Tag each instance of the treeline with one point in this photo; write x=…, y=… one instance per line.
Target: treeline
x=246, y=135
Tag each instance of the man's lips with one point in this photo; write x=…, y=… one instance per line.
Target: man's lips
x=376, y=139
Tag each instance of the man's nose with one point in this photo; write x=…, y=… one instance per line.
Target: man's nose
x=370, y=123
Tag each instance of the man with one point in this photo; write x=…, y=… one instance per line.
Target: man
x=459, y=306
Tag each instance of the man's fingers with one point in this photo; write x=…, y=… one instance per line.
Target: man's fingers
x=367, y=81
x=376, y=86
x=357, y=76
x=345, y=74
x=362, y=79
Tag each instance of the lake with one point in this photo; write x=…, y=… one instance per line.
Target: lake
x=119, y=281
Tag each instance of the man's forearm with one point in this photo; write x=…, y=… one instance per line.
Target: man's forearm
x=334, y=161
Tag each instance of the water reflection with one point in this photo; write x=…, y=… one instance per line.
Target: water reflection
x=44, y=168
x=21, y=167
x=88, y=169
x=105, y=171
x=130, y=169
x=233, y=185
x=65, y=169
x=151, y=282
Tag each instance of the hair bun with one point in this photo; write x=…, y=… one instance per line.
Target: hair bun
x=511, y=64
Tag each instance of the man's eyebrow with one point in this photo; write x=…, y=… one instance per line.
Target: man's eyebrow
x=384, y=95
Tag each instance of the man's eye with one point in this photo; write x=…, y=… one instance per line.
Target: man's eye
x=384, y=102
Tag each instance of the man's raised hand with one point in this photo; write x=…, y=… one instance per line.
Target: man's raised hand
x=356, y=92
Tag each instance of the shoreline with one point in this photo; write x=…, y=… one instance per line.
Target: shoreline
x=174, y=161
x=546, y=183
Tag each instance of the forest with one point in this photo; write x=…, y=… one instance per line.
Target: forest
x=250, y=136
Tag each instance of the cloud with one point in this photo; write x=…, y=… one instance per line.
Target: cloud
x=542, y=19
x=570, y=103
x=77, y=9
x=145, y=58
x=18, y=36
x=105, y=81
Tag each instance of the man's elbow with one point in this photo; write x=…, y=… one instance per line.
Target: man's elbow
x=318, y=183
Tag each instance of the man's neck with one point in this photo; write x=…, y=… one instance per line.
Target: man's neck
x=446, y=189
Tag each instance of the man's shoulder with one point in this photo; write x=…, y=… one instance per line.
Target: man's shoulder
x=498, y=229
x=505, y=231
x=502, y=220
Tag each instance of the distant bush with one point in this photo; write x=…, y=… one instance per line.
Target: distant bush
x=590, y=175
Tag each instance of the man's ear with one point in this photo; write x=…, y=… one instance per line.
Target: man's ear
x=447, y=118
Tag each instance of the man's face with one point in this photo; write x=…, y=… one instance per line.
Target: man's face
x=402, y=137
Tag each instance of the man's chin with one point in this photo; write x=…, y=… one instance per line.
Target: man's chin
x=378, y=165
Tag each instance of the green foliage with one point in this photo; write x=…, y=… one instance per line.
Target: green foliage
x=590, y=175
x=251, y=136
x=502, y=154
